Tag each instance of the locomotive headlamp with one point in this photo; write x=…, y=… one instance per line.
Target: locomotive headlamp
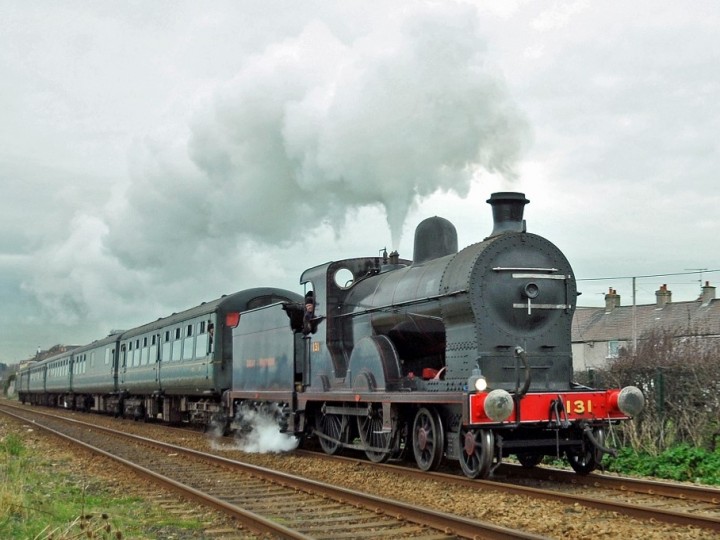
x=477, y=381
x=498, y=405
x=630, y=400
x=531, y=290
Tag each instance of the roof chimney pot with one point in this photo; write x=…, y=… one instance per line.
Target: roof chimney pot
x=708, y=293
x=663, y=295
x=612, y=300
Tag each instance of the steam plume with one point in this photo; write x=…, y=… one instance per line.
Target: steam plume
x=313, y=127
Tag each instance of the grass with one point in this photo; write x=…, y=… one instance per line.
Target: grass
x=44, y=497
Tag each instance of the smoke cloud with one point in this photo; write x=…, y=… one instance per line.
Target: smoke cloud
x=316, y=125
x=312, y=128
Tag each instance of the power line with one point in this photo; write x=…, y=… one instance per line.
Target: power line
x=649, y=275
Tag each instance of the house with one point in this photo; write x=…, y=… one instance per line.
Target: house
x=598, y=334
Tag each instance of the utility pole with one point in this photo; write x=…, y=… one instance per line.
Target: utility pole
x=634, y=316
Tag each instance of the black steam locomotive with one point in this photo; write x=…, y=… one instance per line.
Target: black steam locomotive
x=457, y=355
x=460, y=355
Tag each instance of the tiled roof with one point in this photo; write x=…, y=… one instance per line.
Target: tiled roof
x=599, y=324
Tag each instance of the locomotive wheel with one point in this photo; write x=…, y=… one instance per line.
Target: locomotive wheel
x=428, y=439
x=586, y=461
x=529, y=460
x=335, y=427
x=379, y=444
x=476, y=456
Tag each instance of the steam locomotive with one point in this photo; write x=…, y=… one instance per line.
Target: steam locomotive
x=456, y=355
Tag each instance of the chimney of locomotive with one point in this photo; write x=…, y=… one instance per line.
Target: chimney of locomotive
x=507, y=208
x=435, y=237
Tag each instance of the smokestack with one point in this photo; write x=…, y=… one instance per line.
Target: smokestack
x=612, y=300
x=663, y=296
x=708, y=293
x=507, y=208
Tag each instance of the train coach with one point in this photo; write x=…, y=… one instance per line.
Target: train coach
x=174, y=369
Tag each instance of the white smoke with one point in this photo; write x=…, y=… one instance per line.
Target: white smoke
x=317, y=125
x=260, y=434
x=312, y=128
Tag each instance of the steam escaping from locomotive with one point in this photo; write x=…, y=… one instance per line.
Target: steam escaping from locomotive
x=322, y=126
x=318, y=126
x=263, y=435
x=258, y=432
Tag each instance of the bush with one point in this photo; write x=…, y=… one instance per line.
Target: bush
x=680, y=463
x=678, y=371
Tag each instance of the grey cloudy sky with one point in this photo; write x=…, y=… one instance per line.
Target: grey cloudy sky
x=154, y=155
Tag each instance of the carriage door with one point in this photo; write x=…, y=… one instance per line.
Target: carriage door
x=164, y=354
x=155, y=356
x=123, y=363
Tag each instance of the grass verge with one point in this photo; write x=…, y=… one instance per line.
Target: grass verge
x=46, y=494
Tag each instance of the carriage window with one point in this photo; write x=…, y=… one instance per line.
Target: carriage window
x=167, y=335
x=188, y=344
x=176, y=346
x=201, y=342
x=166, y=348
x=154, y=349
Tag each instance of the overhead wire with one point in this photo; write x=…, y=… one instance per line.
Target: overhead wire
x=650, y=275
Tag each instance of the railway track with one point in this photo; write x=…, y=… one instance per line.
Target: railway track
x=623, y=484
x=677, y=504
x=693, y=506
x=263, y=500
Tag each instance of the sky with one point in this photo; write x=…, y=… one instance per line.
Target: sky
x=155, y=155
